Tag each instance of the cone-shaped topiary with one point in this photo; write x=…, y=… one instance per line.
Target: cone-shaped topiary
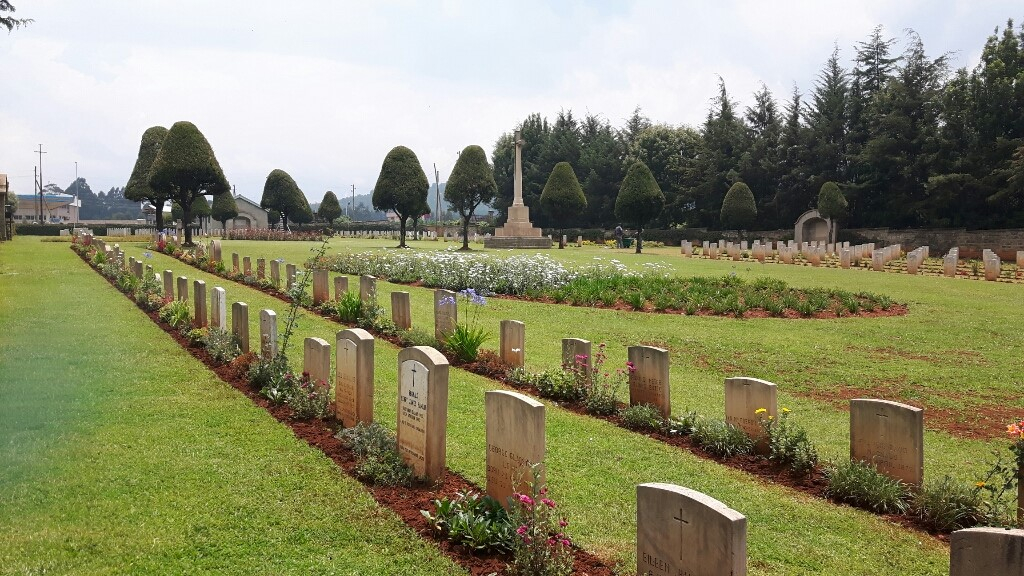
x=739, y=210
x=640, y=199
x=224, y=209
x=281, y=193
x=402, y=186
x=562, y=197
x=138, y=188
x=186, y=168
x=832, y=205
x=471, y=183
x=329, y=209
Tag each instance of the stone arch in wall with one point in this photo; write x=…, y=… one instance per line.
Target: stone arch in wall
x=811, y=227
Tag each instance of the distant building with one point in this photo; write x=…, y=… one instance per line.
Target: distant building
x=57, y=208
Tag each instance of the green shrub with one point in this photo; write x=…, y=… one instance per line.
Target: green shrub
x=642, y=417
x=682, y=425
x=476, y=521
x=788, y=443
x=176, y=313
x=946, y=505
x=222, y=345
x=377, y=459
x=418, y=337
x=308, y=399
x=862, y=485
x=739, y=210
x=721, y=438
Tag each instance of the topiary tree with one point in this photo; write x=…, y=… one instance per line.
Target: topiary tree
x=562, y=197
x=739, y=209
x=832, y=206
x=330, y=209
x=471, y=183
x=640, y=199
x=185, y=169
x=402, y=186
x=138, y=188
x=282, y=194
x=200, y=209
x=224, y=209
x=417, y=215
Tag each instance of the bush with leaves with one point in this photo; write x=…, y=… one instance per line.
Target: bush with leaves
x=642, y=417
x=377, y=459
x=720, y=438
x=788, y=443
x=541, y=547
x=947, y=505
x=862, y=485
x=222, y=345
x=475, y=521
x=176, y=313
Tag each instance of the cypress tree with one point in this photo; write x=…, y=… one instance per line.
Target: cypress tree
x=831, y=205
x=224, y=209
x=470, y=184
x=562, y=197
x=739, y=209
x=138, y=188
x=401, y=186
x=281, y=193
x=330, y=209
x=640, y=199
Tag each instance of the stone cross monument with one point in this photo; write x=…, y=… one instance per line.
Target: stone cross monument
x=518, y=231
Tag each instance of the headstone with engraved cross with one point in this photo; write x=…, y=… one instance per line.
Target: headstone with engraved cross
x=680, y=531
x=889, y=435
x=648, y=380
x=423, y=409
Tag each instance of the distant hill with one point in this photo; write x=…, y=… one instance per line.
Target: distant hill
x=366, y=200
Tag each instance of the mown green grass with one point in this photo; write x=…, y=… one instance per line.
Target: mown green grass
x=124, y=455
x=594, y=467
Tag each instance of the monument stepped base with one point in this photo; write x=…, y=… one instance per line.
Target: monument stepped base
x=517, y=242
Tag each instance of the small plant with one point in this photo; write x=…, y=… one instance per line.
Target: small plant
x=417, y=337
x=349, y=307
x=222, y=345
x=682, y=425
x=642, y=417
x=176, y=313
x=267, y=375
x=306, y=397
x=466, y=338
x=556, y=384
x=541, y=546
x=476, y=521
x=195, y=336
x=946, y=505
x=787, y=442
x=377, y=459
x=861, y=484
x=720, y=438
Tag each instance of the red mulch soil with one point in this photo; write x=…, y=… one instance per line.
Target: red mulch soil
x=405, y=502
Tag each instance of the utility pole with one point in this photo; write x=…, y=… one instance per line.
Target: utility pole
x=40, y=182
x=35, y=186
x=352, y=205
x=76, y=197
x=437, y=201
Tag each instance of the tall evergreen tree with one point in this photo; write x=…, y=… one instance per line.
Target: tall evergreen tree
x=138, y=188
x=224, y=208
x=330, y=209
x=724, y=142
x=401, y=187
x=760, y=164
x=562, y=198
x=282, y=194
x=827, y=120
x=471, y=183
x=640, y=199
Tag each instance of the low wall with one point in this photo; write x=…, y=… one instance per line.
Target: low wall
x=1005, y=243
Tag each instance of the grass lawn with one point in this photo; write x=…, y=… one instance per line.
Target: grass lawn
x=124, y=455
x=594, y=467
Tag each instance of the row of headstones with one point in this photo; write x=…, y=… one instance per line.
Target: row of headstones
x=713, y=535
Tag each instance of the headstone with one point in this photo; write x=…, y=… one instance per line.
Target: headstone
x=423, y=409
x=218, y=308
x=340, y=286
x=743, y=397
x=240, y=324
x=169, y=284
x=845, y=257
x=321, y=287
x=275, y=273
x=367, y=288
x=246, y=266
x=515, y=441
x=648, y=381
x=261, y=268
x=1020, y=259
x=686, y=248
x=199, y=319
x=215, y=251
x=446, y=313
x=401, y=310
x=183, y=288
x=889, y=435
x=137, y=269
x=992, y=268
x=289, y=276
x=316, y=361
x=576, y=351
x=680, y=532
x=149, y=271
x=512, y=342
x=268, y=333
x=877, y=260
x=986, y=552
x=353, y=377
x=234, y=262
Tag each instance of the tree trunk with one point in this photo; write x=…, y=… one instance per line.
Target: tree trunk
x=465, y=231
x=160, y=217
x=186, y=222
x=401, y=231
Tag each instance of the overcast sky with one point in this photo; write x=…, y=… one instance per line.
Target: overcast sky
x=324, y=89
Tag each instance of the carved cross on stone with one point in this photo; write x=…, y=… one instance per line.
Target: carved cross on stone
x=681, y=523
